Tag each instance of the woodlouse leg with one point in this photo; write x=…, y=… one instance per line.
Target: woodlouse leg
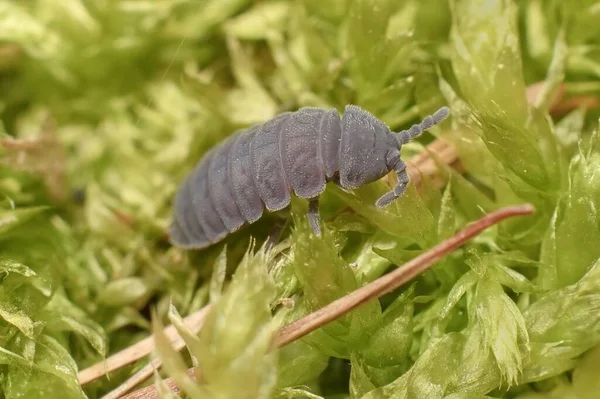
x=313, y=216
x=398, y=191
x=275, y=234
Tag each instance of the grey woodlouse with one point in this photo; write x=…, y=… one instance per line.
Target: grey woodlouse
x=297, y=152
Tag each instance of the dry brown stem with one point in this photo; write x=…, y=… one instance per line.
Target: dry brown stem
x=140, y=349
x=138, y=377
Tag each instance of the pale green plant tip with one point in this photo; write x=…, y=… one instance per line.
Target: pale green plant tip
x=173, y=361
x=235, y=341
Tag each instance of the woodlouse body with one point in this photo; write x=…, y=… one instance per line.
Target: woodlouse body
x=296, y=152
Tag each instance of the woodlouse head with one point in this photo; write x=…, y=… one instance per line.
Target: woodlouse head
x=364, y=148
x=370, y=150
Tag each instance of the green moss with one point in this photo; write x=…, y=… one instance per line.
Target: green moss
x=112, y=103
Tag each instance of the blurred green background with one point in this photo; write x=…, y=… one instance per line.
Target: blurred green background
x=106, y=105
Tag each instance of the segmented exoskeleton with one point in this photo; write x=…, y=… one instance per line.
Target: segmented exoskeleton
x=295, y=152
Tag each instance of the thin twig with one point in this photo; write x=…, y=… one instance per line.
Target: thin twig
x=375, y=289
x=423, y=164
x=150, y=391
x=561, y=103
x=137, y=378
x=140, y=349
x=389, y=282
x=569, y=104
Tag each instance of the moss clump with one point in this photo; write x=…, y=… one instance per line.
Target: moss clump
x=106, y=106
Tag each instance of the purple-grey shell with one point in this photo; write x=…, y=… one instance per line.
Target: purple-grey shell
x=256, y=169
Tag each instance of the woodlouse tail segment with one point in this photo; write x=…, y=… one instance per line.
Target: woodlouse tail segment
x=178, y=237
x=417, y=129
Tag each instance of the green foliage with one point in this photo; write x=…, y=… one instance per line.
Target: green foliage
x=38, y=323
x=569, y=248
x=106, y=106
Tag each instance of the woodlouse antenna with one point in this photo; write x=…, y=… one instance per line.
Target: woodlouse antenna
x=417, y=129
